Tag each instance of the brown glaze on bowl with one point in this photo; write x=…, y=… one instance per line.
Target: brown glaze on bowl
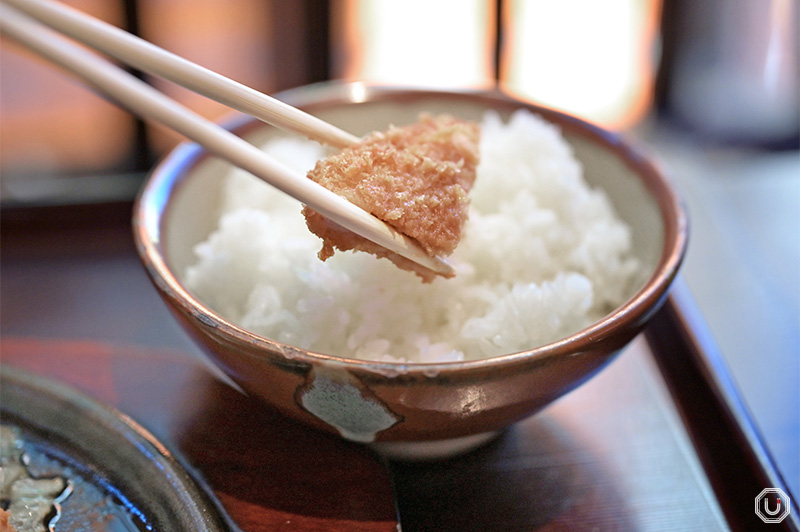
x=407, y=409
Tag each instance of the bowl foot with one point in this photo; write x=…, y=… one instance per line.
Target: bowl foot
x=432, y=449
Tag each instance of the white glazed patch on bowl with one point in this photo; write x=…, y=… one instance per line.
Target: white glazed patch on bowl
x=335, y=398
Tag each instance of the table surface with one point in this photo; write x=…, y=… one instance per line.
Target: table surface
x=743, y=269
x=566, y=469
x=612, y=455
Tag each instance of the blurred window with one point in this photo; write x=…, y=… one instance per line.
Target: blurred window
x=48, y=122
x=55, y=134
x=596, y=60
x=593, y=59
x=415, y=42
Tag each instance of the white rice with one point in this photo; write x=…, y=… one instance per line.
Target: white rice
x=543, y=256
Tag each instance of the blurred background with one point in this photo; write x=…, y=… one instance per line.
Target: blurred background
x=709, y=87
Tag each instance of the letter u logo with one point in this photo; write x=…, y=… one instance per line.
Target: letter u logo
x=771, y=512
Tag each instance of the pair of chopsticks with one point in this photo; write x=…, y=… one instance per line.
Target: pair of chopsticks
x=23, y=20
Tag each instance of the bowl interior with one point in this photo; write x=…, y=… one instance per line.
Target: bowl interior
x=194, y=208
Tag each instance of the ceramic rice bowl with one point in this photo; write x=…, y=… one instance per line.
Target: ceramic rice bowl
x=407, y=409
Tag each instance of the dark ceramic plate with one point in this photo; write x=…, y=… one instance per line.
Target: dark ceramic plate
x=121, y=478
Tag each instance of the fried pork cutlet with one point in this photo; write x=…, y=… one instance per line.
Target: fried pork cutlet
x=415, y=178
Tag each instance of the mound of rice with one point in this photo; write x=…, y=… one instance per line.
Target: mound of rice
x=543, y=256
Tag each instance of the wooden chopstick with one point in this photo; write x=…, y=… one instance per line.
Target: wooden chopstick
x=149, y=58
x=152, y=105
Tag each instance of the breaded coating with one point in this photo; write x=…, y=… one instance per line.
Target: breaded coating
x=415, y=178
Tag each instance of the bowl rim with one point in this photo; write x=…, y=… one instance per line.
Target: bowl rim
x=151, y=205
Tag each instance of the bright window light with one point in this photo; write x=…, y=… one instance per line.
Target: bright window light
x=426, y=42
x=594, y=59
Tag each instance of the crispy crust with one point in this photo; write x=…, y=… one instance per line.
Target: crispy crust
x=415, y=178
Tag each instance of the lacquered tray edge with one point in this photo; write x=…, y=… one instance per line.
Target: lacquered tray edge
x=723, y=432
